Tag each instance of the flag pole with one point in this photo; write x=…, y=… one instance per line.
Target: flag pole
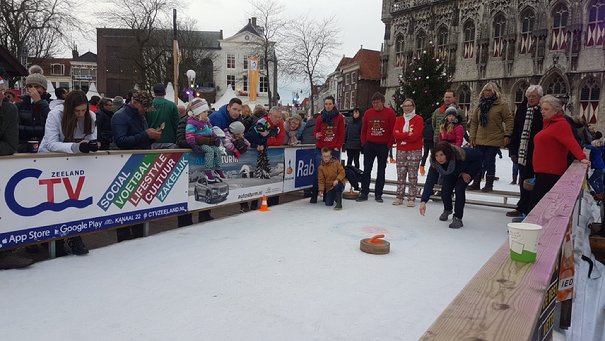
x=175, y=58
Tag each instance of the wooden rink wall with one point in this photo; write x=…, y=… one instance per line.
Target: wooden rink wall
x=505, y=300
x=508, y=300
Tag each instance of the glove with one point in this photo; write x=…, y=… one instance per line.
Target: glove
x=236, y=153
x=93, y=146
x=84, y=147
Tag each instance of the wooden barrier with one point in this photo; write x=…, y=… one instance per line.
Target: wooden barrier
x=505, y=299
x=504, y=195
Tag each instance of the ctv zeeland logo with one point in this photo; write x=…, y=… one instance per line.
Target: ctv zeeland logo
x=57, y=179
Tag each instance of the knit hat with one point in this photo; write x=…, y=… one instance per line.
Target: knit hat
x=159, y=90
x=237, y=127
x=451, y=110
x=144, y=98
x=36, y=77
x=198, y=106
x=117, y=102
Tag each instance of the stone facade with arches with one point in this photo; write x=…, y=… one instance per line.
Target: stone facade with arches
x=558, y=44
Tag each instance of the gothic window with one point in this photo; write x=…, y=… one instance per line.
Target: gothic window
x=420, y=42
x=399, y=55
x=464, y=98
x=520, y=94
x=499, y=27
x=442, y=35
x=557, y=87
x=596, y=23
x=560, y=35
x=528, y=19
x=469, y=39
x=589, y=101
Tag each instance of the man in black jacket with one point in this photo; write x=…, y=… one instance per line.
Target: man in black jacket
x=130, y=131
x=528, y=122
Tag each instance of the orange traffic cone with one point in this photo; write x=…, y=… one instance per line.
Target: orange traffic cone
x=263, y=206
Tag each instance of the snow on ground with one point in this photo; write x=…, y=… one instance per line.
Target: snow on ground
x=295, y=273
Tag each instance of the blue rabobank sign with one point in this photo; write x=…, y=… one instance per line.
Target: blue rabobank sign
x=305, y=166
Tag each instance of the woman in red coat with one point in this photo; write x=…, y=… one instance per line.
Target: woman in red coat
x=408, y=140
x=551, y=146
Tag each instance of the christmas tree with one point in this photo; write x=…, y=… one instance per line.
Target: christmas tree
x=263, y=170
x=425, y=81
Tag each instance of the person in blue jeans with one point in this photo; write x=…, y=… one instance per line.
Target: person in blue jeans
x=457, y=166
x=331, y=179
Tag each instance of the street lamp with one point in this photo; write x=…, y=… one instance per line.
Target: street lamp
x=191, y=78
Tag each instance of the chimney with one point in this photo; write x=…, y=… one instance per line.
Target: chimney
x=253, y=21
x=74, y=53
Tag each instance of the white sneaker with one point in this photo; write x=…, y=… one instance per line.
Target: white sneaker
x=411, y=203
x=397, y=202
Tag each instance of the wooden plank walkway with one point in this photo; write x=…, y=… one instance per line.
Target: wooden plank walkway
x=504, y=299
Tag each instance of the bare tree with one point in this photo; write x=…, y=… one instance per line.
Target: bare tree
x=309, y=43
x=38, y=28
x=146, y=19
x=272, y=23
x=193, y=55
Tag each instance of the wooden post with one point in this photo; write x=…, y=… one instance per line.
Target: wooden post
x=175, y=58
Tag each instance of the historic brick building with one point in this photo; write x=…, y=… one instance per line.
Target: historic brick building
x=557, y=44
x=353, y=82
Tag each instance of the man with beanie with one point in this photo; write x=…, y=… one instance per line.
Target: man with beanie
x=376, y=139
x=129, y=126
x=33, y=109
x=165, y=117
x=130, y=131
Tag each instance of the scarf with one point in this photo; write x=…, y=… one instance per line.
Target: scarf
x=407, y=118
x=525, y=135
x=458, y=154
x=328, y=116
x=484, y=105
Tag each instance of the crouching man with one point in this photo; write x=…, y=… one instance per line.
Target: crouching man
x=331, y=179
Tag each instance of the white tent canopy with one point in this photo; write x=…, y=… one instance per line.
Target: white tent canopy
x=51, y=90
x=92, y=91
x=225, y=98
x=170, y=94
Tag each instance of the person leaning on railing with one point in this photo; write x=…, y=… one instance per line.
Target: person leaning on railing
x=551, y=146
x=70, y=128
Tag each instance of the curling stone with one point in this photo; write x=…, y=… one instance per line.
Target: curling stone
x=375, y=245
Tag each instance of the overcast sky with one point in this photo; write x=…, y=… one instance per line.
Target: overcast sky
x=358, y=21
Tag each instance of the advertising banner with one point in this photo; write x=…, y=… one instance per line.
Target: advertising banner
x=246, y=178
x=54, y=197
x=253, y=77
x=300, y=165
